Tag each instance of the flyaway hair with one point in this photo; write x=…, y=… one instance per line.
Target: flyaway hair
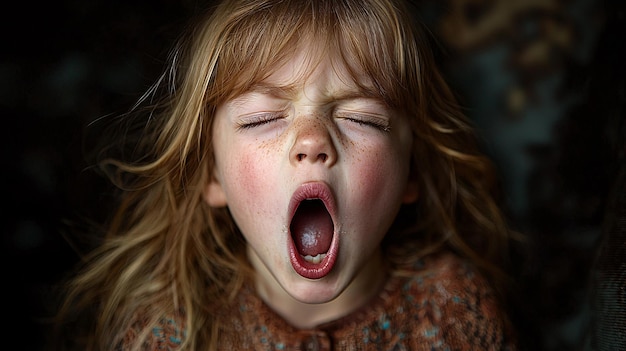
x=167, y=253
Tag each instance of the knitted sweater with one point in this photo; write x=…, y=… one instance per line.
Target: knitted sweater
x=443, y=305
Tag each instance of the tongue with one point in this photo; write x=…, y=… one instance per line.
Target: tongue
x=312, y=228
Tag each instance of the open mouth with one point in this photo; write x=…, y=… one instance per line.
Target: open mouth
x=313, y=248
x=312, y=230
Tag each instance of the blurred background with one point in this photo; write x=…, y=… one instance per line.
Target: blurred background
x=543, y=80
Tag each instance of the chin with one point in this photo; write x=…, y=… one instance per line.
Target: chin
x=316, y=291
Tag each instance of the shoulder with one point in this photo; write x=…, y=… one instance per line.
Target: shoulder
x=167, y=333
x=447, y=275
x=457, y=304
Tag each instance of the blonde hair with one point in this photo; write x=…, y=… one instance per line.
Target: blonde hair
x=167, y=253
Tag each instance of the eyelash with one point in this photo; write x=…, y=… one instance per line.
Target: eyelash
x=258, y=120
x=369, y=122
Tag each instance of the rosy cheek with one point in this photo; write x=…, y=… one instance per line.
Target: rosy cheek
x=366, y=171
x=381, y=173
x=250, y=174
x=244, y=172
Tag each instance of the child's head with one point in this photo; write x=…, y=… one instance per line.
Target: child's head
x=271, y=104
x=260, y=85
x=238, y=60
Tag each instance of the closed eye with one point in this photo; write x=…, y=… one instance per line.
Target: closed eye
x=373, y=121
x=257, y=120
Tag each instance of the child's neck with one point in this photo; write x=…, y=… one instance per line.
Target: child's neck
x=367, y=284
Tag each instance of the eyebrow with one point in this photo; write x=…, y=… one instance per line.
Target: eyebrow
x=352, y=94
x=288, y=91
x=282, y=92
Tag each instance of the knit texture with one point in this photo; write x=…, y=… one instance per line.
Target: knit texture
x=443, y=305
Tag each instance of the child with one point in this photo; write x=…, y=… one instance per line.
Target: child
x=307, y=182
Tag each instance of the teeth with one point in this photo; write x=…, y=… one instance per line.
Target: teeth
x=314, y=259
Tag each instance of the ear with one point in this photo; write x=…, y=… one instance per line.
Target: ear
x=214, y=194
x=411, y=192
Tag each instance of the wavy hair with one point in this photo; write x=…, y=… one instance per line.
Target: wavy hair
x=167, y=253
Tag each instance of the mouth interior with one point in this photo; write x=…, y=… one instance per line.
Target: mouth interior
x=312, y=228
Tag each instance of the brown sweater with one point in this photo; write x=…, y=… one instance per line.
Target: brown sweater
x=444, y=305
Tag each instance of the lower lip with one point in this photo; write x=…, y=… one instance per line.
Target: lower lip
x=313, y=270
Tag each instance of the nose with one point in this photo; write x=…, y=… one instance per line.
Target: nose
x=313, y=143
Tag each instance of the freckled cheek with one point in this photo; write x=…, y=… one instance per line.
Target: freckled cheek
x=249, y=177
x=380, y=171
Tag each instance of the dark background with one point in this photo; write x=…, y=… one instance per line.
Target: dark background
x=544, y=84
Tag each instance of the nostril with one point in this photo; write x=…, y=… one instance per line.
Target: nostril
x=321, y=156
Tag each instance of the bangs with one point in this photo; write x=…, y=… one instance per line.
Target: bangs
x=364, y=38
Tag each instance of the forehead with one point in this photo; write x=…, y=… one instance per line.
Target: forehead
x=310, y=66
x=364, y=40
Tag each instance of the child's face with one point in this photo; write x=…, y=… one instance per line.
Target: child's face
x=321, y=138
